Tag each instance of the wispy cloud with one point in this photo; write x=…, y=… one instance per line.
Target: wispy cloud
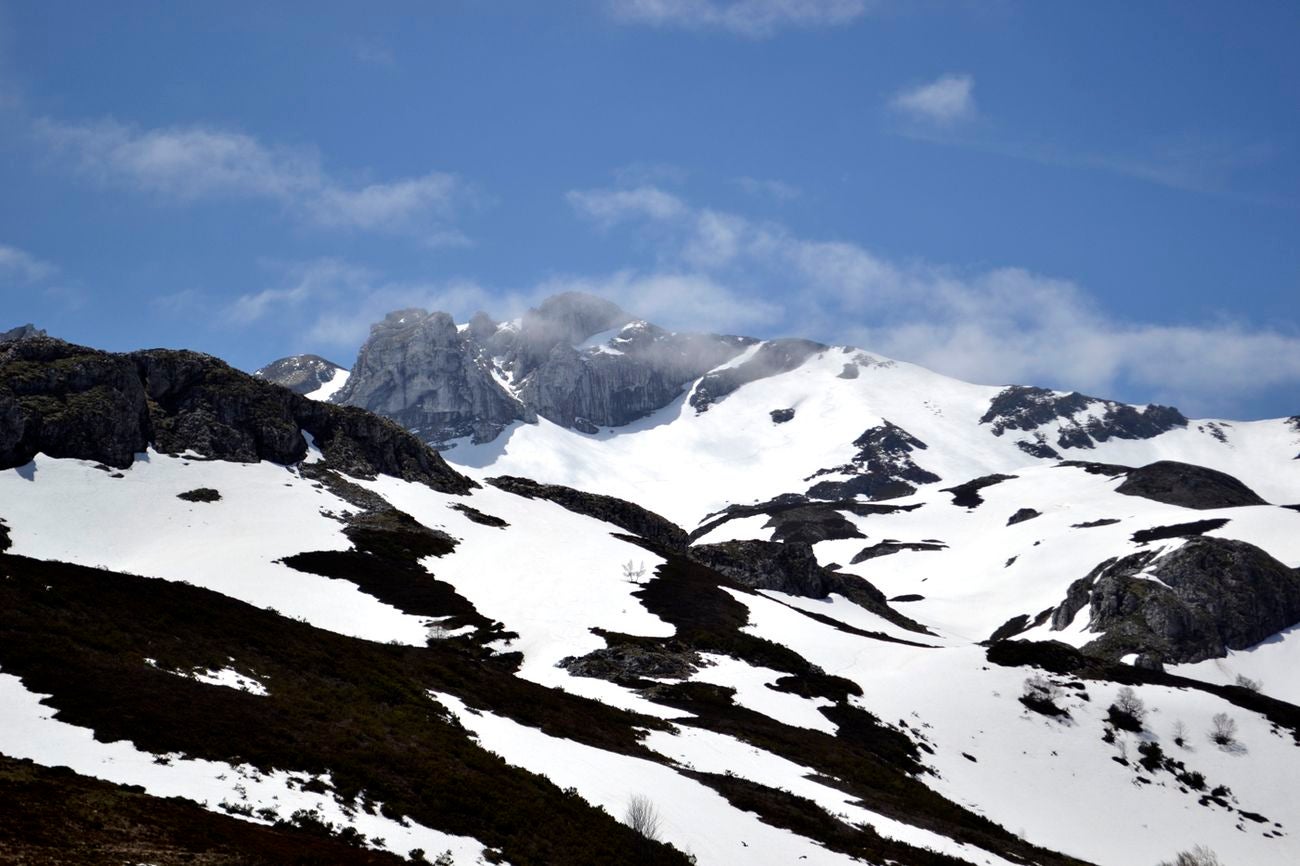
x=18, y=266
x=773, y=189
x=374, y=53
x=943, y=101
x=609, y=207
x=183, y=165
x=995, y=326
x=755, y=19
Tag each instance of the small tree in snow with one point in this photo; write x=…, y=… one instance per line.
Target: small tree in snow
x=1246, y=682
x=1128, y=702
x=1223, y=729
x=1180, y=733
x=1198, y=856
x=642, y=816
x=632, y=572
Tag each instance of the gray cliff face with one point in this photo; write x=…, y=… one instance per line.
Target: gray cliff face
x=301, y=374
x=419, y=370
x=22, y=332
x=1208, y=596
x=444, y=383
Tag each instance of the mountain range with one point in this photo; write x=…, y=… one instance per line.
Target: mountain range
x=573, y=588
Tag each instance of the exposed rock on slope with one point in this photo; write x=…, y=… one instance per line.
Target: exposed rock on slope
x=69, y=401
x=1175, y=483
x=301, y=374
x=883, y=468
x=1080, y=421
x=1197, y=602
x=777, y=356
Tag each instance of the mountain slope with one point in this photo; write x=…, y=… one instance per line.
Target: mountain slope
x=295, y=614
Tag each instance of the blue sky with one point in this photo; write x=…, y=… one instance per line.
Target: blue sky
x=1101, y=196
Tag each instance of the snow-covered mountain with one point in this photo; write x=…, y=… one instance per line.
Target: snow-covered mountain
x=309, y=375
x=804, y=604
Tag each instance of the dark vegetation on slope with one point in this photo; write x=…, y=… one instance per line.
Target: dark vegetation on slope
x=352, y=708
x=793, y=568
x=200, y=494
x=50, y=816
x=780, y=808
x=889, y=546
x=805, y=509
x=625, y=515
x=69, y=401
x=872, y=761
x=1179, y=530
x=1061, y=658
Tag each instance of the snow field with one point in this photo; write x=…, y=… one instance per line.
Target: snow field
x=67, y=510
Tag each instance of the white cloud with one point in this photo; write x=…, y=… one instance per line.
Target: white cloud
x=188, y=164
x=20, y=266
x=943, y=101
x=998, y=326
x=374, y=53
x=755, y=19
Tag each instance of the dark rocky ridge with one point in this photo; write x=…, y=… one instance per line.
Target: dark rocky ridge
x=1210, y=595
x=70, y=401
x=301, y=374
x=883, y=468
x=1021, y=407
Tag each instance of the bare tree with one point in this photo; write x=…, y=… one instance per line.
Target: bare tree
x=1223, y=729
x=1198, y=856
x=1246, y=682
x=632, y=572
x=1180, y=733
x=642, y=816
x=1128, y=702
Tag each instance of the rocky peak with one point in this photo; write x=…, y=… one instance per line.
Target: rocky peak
x=1074, y=420
x=301, y=374
x=22, y=332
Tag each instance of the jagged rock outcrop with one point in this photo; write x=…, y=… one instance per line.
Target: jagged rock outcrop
x=1079, y=421
x=1196, y=602
x=301, y=374
x=69, y=401
x=625, y=515
x=445, y=382
x=420, y=370
x=1190, y=486
x=883, y=468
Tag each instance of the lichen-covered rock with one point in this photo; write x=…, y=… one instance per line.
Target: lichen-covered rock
x=70, y=401
x=1196, y=602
